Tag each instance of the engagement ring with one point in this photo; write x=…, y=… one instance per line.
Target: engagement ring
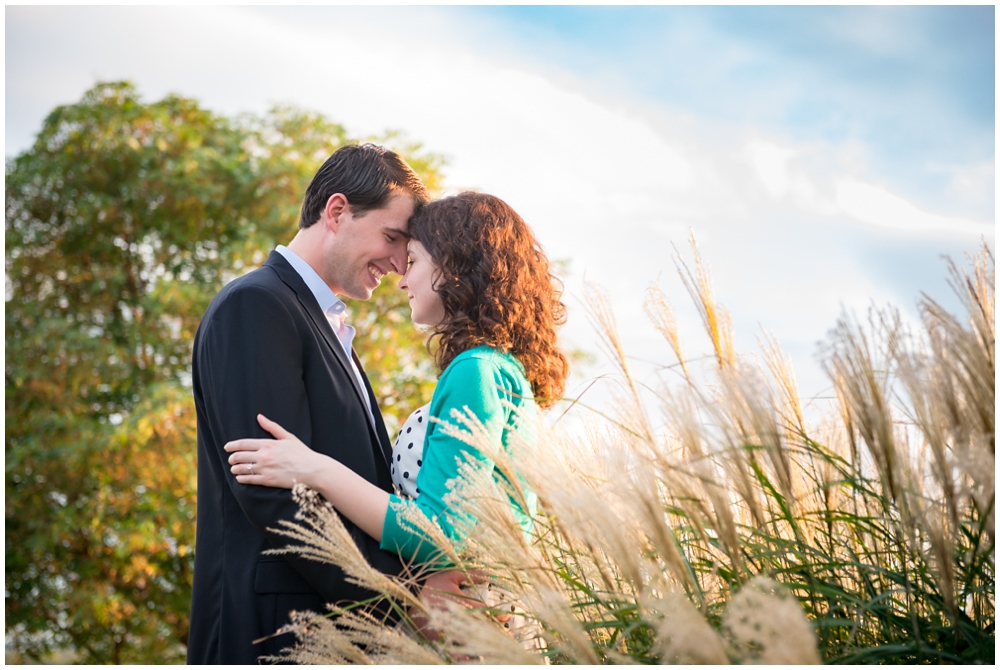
x=250, y=467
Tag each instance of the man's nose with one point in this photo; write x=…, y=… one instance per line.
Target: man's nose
x=398, y=261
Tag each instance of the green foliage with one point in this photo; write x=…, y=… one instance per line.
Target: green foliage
x=122, y=222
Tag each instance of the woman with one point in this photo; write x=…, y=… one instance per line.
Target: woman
x=477, y=277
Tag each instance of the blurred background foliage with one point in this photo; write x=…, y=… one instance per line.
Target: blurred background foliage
x=122, y=222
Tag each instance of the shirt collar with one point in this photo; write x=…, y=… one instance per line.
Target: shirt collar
x=327, y=299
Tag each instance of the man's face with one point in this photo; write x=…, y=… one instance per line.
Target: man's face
x=368, y=247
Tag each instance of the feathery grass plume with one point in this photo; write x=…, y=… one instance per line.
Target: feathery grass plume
x=355, y=638
x=765, y=624
x=715, y=318
x=746, y=412
x=477, y=475
x=609, y=515
x=938, y=508
x=321, y=641
x=861, y=381
x=683, y=635
x=824, y=459
x=654, y=479
x=930, y=410
x=634, y=417
x=964, y=370
x=975, y=363
x=780, y=367
x=728, y=452
x=482, y=504
x=657, y=308
x=693, y=487
x=570, y=636
x=325, y=538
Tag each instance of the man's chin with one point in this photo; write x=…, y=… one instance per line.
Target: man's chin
x=360, y=293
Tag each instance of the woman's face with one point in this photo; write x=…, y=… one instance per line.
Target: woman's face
x=420, y=282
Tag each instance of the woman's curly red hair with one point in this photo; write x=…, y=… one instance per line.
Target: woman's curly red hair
x=496, y=287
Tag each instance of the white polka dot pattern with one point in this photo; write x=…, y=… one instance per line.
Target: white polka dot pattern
x=408, y=452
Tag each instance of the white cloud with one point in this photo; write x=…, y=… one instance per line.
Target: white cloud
x=878, y=206
x=973, y=184
x=771, y=165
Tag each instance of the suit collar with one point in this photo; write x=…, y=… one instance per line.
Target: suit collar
x=324, y=295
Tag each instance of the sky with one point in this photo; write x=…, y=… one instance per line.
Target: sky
x=824, y=158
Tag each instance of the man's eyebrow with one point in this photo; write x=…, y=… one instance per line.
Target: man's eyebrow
x=397, y=231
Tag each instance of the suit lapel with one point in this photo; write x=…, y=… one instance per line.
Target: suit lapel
x=306, y=298
x=381, y=433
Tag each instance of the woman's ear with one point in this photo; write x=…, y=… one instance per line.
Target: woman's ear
x=437, y=279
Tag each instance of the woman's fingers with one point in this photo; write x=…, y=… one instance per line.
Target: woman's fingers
x=246, y=444
x=244, y=468
x=250, y=479
x=247, y=450
x=248, y=472
x=476, y=576
x=241, y=458
x=258, y=461
x=273, y=428
x=253, y=444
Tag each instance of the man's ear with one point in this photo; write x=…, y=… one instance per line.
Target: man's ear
x=336, y=209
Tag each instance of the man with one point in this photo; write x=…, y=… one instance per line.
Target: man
x=273, y=342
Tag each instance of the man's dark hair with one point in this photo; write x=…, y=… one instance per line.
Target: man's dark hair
x=367, y=174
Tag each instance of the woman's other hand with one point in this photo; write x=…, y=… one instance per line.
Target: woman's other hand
x=280, y=463
x=444, y=587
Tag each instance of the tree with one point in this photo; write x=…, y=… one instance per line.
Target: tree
x=122, y=222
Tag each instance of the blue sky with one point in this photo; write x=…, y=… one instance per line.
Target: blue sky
x=910, y=82
x=824, y=157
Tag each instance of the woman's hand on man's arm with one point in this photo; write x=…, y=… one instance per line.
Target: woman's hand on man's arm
x=286, y=461
x=279, y=463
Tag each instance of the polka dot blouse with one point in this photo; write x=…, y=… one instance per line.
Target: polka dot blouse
x=408, y=452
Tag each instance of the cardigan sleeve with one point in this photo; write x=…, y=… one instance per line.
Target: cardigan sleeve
x=476, y=383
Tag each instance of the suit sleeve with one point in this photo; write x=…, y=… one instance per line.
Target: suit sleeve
x=471, y=383
x=250, y=362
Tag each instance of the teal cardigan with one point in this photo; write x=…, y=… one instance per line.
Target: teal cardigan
x=484, y=380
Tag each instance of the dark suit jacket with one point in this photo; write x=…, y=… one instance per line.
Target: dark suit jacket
x=264, y=346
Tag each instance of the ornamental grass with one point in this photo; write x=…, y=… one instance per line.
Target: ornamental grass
x=736, y=528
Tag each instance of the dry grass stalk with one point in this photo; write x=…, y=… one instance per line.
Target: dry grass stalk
x=658, y=310
x=780, y=367
x=694, y=483
x=324, y=538
x=602, y=317
x=354, y=638
x=716, y=319
x=746, y=410
x=861, y=382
